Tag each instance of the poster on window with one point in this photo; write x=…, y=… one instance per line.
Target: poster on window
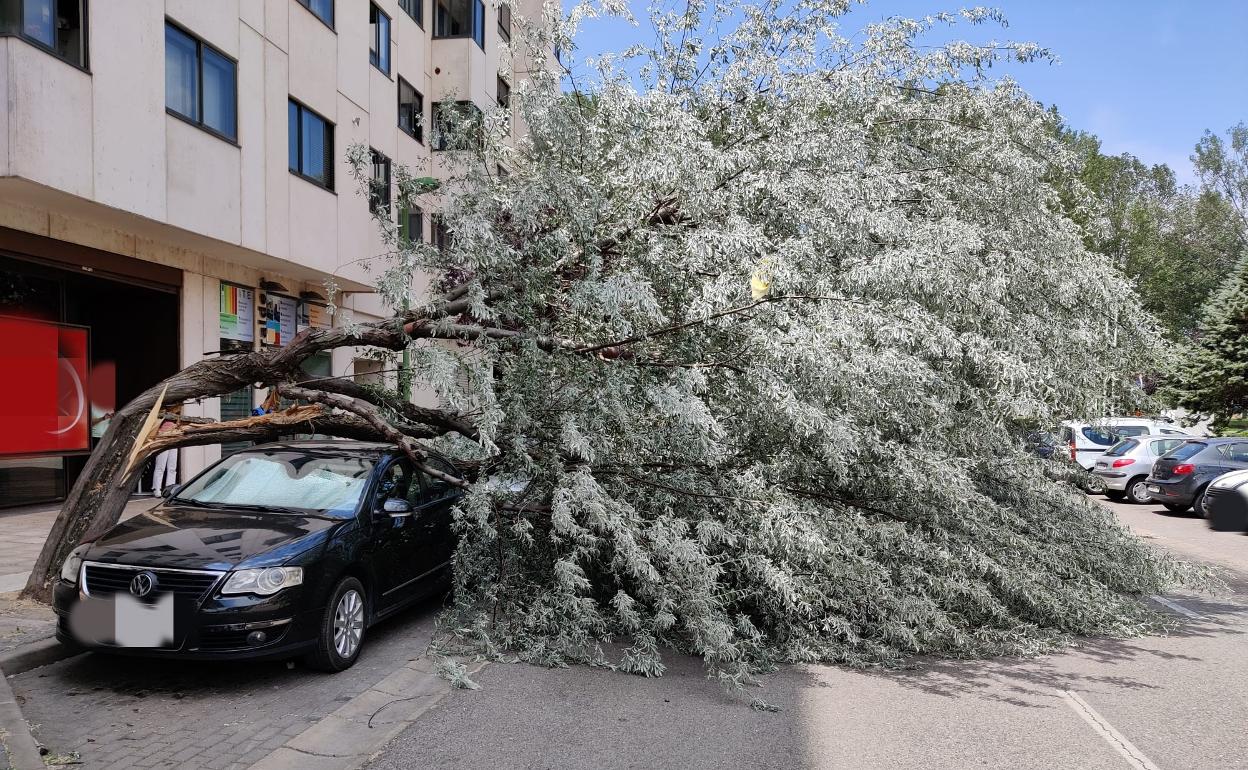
x=313, y=315
x=45, y=395
x=238, y=313
x=277, y=319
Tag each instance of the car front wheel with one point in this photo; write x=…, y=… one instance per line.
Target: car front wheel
x=342, y=628
x=1137, y=491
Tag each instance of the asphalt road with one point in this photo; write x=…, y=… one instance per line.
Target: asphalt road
x=1174, y=701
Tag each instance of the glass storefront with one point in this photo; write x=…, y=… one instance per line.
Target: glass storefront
x=132, y=341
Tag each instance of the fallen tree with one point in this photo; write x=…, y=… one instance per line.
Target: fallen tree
x=737, y=347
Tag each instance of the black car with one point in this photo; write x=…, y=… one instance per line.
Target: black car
x=1181, y=476
x=277, y=551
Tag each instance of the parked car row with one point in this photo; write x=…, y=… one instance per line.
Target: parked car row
x=1153, y=462
x=1089, y=443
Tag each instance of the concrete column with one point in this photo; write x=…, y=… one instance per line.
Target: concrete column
x=200, y=333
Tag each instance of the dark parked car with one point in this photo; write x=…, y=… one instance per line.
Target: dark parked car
x=1227, y=502
x=277, y=551
x=1181, y=476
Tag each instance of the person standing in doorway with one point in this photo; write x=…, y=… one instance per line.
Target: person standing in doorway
x=166, y=473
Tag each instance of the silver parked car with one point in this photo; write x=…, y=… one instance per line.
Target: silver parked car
x=1125, y=466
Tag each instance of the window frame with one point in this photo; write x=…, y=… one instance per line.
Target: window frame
x=375, y=206
x=504, y=30
x=476, y=21
x=84, y=20
x=502, y=93
x=405, y=228
x=302, y=108
x=440, y=235
x=374, y=48
x=438, y=141
x=419, y=16
x=333, y=13
x=418, y=128
x=198, y=122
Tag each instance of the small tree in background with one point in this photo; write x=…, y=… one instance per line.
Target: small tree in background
x=1214, y=380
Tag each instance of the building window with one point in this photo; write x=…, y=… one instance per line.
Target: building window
x=412, y=225
x=415, y=9
x=321, y=9
x=311, y=145
x=504, y=22
x=60, y=26
x=460, y=18
x=379, y=47
x=457, y=126
x=503, y=94
x=379, y=184
x=200, y=83
x=440, y=234
x=411, y=111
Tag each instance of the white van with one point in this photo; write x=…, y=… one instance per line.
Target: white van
x=1086, y=441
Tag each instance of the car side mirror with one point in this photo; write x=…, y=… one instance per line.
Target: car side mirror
x=170, y=491
x=396, y=507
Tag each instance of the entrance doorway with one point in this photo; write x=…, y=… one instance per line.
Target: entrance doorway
x=133, y=344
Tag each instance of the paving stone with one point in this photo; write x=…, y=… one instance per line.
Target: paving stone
x=228, y=715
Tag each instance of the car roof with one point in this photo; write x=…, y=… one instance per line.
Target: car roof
x=345, y=446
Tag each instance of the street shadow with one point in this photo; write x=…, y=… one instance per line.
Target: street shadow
x=1032, y=682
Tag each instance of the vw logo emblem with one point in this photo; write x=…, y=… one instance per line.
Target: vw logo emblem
x=143, y=584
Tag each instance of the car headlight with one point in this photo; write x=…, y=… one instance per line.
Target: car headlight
x=73, y=563
x=264, y=582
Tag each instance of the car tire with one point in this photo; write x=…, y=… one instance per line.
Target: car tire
x=1176, y=507
x=1137, y=491
x=341, y=632
x=1114, y=494
x=1094, y=485
x=1198, y=504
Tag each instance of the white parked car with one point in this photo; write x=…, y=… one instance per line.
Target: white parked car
x=1125, y=467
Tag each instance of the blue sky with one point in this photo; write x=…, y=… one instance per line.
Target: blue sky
x=1147, y=77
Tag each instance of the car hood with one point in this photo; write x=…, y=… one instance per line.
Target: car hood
x=199, y=538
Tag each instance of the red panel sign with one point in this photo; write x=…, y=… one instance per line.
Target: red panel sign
x=44, y=393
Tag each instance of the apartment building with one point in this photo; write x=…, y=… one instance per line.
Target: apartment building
x=173, y=184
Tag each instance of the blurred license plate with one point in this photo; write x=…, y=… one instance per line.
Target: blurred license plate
x=139, y=624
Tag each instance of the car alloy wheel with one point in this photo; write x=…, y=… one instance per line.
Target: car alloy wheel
x=1138, y=492
x=348, y=623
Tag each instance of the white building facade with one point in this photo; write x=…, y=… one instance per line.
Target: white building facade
x=173, y=174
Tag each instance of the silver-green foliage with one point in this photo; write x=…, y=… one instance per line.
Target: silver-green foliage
x=753, y=314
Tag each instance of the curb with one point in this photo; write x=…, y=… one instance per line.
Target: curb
x=361, y=728
x=19, y=660
x=20, y=744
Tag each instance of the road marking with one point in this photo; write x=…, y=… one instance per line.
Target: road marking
x=1179, y=608
x=1103, y=728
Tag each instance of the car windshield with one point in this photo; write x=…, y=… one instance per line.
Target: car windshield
x=283, y=481
x=1122, y=447
x=1129, y=430
x=1185, y=451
